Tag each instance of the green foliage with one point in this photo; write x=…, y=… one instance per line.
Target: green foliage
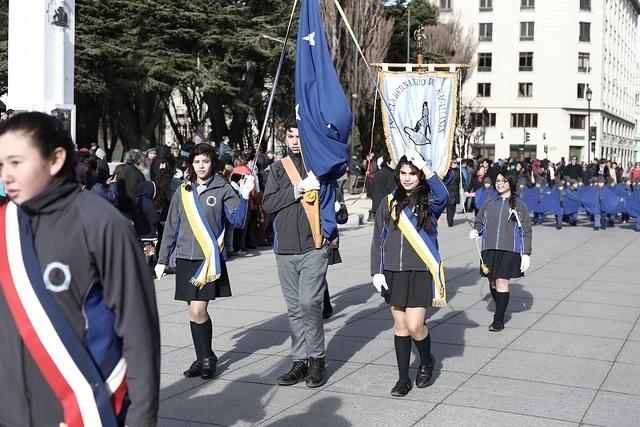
x=422, y=13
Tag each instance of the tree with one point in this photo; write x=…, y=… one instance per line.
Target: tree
x=373, y=28
x=422, y=13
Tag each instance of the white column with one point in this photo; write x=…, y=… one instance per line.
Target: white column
x=41, y=56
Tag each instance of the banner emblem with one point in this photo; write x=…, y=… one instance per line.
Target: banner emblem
x=421, y=115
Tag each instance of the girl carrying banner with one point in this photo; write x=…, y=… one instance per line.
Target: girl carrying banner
x=195, y=230
x=78, y=318
x=504, y=225
x=405, y=262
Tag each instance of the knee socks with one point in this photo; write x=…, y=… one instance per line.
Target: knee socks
x=403, y=355
x=196, y=339
x=493, y=292
x=424, y=349
x=502, y=300
x=202, y=333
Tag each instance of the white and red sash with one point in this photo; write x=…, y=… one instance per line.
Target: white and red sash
x=86, y=397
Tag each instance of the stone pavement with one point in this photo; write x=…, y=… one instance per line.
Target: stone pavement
x=569, y=355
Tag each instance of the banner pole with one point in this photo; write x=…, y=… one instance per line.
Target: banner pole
x=276, y=80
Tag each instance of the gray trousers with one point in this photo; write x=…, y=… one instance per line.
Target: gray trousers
x=302, y=281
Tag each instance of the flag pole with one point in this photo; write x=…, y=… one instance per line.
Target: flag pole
x=405, y=143
x=276, y=80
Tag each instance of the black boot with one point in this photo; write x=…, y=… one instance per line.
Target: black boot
x=297, y=373
x=209, y=365
x=316, y=376
x=196, y=367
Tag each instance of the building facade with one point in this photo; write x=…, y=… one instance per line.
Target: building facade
x=552, y=75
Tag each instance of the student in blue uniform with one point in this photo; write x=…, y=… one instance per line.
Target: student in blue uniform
x=405, y=234
x=504, y=227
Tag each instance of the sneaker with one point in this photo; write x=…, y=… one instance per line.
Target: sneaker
x=297, y=373
x=317, y=373
x=401, y=388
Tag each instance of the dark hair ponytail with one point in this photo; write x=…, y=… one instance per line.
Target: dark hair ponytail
x=513, y=186
x=46, y=133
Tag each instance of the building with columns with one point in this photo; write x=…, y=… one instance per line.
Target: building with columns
x=547, y=70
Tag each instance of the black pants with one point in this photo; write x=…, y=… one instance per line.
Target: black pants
x=451, y=211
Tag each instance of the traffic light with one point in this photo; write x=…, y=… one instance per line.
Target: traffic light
x=593, y=147
x=527, y=136
x=546, y=149
x=593, y=133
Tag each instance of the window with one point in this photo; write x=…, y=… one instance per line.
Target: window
x=445, y=4
x=484, y=90
x=484, y=61
x=585, y=5
x=583, y=62
x=485, y=33
x=585, y=32
x=576, y=121
x=582, y=88
x=525, y=90
x=486, y=5
x=480, y=120
x=526, y=31
x=526, y=61
x=524, y=120
x=527, y=4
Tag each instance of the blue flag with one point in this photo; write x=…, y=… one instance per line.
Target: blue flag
x=322, y=111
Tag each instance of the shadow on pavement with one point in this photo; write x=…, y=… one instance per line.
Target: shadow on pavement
x=322, y=413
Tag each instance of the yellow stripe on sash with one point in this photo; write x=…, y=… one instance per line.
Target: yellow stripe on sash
x=435, y=268
x=211, y=268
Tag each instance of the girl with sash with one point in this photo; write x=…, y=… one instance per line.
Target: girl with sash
x=195, y=231
x=405, y=262
x=79, y=324
x=504, y=227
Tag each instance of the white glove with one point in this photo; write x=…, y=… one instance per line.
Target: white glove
x=309, y=183
x=246, y=186
x=337, y=206
x=473, y=234
x=159, y=270
x=414, y=157
x=525, y=262
x=379, y=282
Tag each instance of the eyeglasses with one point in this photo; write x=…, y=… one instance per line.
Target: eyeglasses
x=501, y=180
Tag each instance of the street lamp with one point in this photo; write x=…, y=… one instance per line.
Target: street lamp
x=589, y=95
x=485, y=115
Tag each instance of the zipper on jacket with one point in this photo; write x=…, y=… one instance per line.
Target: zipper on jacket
x=401, y=249
x=499, y=224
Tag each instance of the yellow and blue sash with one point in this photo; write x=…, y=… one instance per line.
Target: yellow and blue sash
x=211, y=245
x=426, y=250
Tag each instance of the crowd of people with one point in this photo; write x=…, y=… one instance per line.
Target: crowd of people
x=80, y=240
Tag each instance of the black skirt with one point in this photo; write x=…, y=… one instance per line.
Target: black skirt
x=409, y=288
x=185, y=291
x=502, y=264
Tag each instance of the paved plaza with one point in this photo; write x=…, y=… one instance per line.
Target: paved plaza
x=569, y=355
